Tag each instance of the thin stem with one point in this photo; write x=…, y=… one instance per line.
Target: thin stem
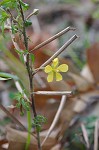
x=32, y=96
x=52, y=38
x=39, y=142
x=24, y=31
x=28, y=60
x=29, y=69
x=29, y=130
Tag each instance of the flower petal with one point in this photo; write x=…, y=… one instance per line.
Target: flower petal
x=58, y=76
x=55, y=62
x=63, y=68
x=50, y=77
x=48, y=69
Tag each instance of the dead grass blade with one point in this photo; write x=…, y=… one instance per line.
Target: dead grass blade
x=96, y=135
x=85, y=135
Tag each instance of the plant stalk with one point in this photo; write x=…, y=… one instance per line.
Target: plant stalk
x=29, y=69
x=29, y=130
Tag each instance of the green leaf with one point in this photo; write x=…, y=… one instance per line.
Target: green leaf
x=18, y=96
x=18, y=105
x=24, y=5
x=3, y=18
x=20, y=55
x=2, y=28
x=8, y=4
x=22, y=113
x=21, y=58
x=8, y=76
x=38, y=121
x=32, y=57
x=14, y=29
x=25, y=105
x=19, y=52
x=2, y=79
x=28, y=23
x=3, y=15
x=6, y=1
x=39, y=127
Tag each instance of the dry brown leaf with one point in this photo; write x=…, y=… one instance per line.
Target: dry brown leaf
x=84, y=100
x=87, y=74
x=79, y=106
x=74, y=106
x=93, y=60
x=17, y=140
x=56, y=147
x=81, y=83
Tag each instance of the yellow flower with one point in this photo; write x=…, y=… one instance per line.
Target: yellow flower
x=54, y=70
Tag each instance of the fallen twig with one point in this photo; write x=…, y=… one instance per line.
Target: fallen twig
x=56, y=118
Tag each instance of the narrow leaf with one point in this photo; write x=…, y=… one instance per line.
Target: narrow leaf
x=32, y=58
x=8, y=76
x=2, y=79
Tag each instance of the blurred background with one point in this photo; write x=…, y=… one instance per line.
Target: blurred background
x=79, y=117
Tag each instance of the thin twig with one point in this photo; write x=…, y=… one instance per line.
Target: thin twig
x=85, y=135
x=96, y=135
x=52, y=38
x=56, y=118
x=12, y=117
x=53, y=92
x=57, y=53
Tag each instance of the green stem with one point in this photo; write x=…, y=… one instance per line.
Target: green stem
x=29, y=69
x=29, y=130
x=39, y=142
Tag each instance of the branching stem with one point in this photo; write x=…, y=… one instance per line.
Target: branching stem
x=29, y=69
